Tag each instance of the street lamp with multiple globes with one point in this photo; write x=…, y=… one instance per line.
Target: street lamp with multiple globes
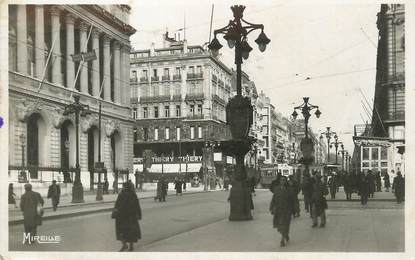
x=336, y=144
x=239, y=109
x=79, y=110
x=328, y=135
x=306, y=144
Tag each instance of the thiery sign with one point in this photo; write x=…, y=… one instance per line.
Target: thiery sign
x=170, y=159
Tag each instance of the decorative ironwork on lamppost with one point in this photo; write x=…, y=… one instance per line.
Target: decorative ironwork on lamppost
x=66, y=177
x=328, y=135
x=336, y=144
x=320, y=150
x=306, y=144
x=239, y=109
x=79, y=110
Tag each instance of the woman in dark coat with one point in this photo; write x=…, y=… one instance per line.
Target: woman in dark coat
x=364, y=188
x=387, y=181
x=282, y=207
x=178, y=186
x=128, y=212
x=398, y=187
x=12, y=195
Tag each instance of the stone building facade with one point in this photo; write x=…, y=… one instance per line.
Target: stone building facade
x=178, y=96
x=42, y=83
x=380, y=146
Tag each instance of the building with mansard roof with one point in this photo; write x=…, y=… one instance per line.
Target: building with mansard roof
x=42, y=73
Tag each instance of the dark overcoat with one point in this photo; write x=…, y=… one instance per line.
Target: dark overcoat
x=387, y=181
x=28, y=205
x=178, y=186
x=128, y=213
x=282, y=207
x=364, y=185
x=399, y=186
x=318, y=199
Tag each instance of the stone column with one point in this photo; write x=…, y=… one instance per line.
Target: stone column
x=116, y=70
x=22, y=61
x=56, y=62
x=107, y=71
x=95, y=64
x=124, y=79
x=83, y=74
x=126, y=65
x=70, y=49
x=39, y=41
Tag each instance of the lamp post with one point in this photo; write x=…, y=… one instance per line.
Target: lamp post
x=99, y=166
x=239, y=110
x=328, y=135
x=336, y=144
x=306, y=144
x=342, y=152
x=23, y=145
x=321, y=148
x=78, y=109
x=66, y=171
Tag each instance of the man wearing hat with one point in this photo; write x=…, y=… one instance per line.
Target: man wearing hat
x=54, y=193
x=28, y=204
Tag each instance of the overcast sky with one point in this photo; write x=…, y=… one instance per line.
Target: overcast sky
x=332, y=45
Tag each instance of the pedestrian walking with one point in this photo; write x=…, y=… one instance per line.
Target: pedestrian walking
x=106, y=186
x=364, y=188
x=184, y=184
x=137, y=176
x=165, y=188
x=318, y=201
x=332, y=183
x=12, y=195
x=307, y=191
x=348, y=185
x=54, y=193
x=398, y=187
x=159, y=191
x=30, y=204
x=127, y=213
x=387, y=182
x=178, y=186
x=294, y=188
x=378, y=181
x=372, y=183
x=114, y=187
x=282, y=207
x=252, y=184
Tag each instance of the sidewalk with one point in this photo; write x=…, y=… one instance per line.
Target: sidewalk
x=68, y=209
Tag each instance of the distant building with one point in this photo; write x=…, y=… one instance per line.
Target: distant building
x=39, y=91
x=178, y=97
x=380, y=146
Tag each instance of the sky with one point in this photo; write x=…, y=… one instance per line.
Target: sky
x=333, y=45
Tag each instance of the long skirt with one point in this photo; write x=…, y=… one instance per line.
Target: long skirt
x=282, y=222
x=127, y=230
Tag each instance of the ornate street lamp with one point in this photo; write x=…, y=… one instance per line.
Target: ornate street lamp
x=66, y=177
x=336, y=144
x=328, y=135
x=79, y=110
x=239, y=109
x=343, y=153
x=23, y=144
x=306, y=144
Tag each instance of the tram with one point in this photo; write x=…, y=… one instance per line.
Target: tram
x=270, y=172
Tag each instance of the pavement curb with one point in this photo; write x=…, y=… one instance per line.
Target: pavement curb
x=86, y=212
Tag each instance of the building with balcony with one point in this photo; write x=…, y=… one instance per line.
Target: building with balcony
x=178, y=97
x=42, y=40
x=387, y=128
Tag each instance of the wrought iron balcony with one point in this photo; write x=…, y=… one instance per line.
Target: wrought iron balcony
x=195, y=96
x=134, y=100
x=177, y=77
x=143, y=80
x=195, y=116
x=396, y=116
x=154, y=99
x=193, y=76
x=218, y=99
x=155, y=79
x=165, y=78
x=133, y=80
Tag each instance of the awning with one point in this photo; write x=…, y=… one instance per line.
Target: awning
x=137, y=167
x=193, y=167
